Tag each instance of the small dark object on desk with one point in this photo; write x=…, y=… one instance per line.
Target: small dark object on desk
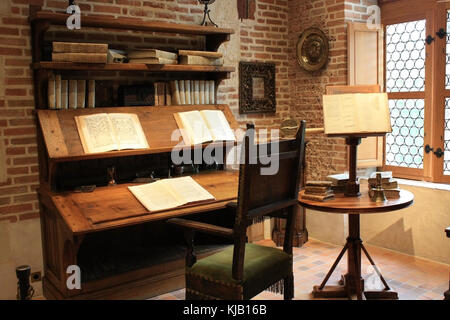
x=86, y=189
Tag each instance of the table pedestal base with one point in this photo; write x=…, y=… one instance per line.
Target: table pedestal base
x=352, y=283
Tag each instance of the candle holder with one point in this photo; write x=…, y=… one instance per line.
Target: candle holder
x=206, y=12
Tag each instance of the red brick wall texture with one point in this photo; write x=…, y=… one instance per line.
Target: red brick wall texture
x=270, y=37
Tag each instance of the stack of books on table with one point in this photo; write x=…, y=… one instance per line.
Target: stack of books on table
x=388, y=184
x=338, y=182
x=202, y=58
x=152, y=56
x=80, y=52
x=318, y=191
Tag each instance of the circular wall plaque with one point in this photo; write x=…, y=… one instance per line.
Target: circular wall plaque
x=312, y=49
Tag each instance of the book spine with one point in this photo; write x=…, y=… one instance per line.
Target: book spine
x=81, y=94
x=168, y=94
x=58, y=91
x=202, y=91
x=187, y=87
x=202, y=61
x=175, y=92
x=64, y=94
x=68, y=47
x=197, y=91
x=212, y=92
x=206, y=54
x=51, y=92
x=192, y=92
x=182, y=92
x=72, y=94
x=80, y=57
x=91, y=94
x=206, y=92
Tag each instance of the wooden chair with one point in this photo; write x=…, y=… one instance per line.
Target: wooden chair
x=243, y=270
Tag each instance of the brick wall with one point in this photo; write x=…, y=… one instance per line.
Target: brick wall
x=324, y=156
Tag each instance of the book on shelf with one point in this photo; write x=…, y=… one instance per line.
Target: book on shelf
x=91, y=94
x=79, y=47
x=160, y=94
x=64, y=94
x=204, y=126
x=153, y=61
x=168, y=94
x=202, y=91
x=360, y=113
x=80, y=57
x=58, y=91
x=206, y=54
x=176, y=98
x=182, y=92
x=104, y=132
x=151, y=53
x=199, y=60
x=117, y=56
x=212, y=92
x=187, y=91
x=73, y=94
x=170, y=193
x=81, y=94
x=206, y=93
x=51, y=92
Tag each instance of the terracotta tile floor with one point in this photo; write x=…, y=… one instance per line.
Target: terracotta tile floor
x=412, y=278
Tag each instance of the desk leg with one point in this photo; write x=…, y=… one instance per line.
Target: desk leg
x=352, y=282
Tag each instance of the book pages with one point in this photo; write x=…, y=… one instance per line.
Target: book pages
x=218, y=125
x=356, y=113
x=128, y=131
x=170, y=193
x=194, y=129
x=96, y=133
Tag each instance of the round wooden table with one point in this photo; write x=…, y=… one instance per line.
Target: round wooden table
x=352, y=282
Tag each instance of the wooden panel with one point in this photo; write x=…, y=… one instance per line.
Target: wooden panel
x=112, y=207
x=365, y=61
x=158, y=124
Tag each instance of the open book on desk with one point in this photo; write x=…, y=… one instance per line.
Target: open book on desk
x=204, y=126
x=103, y=132
x=170, y=193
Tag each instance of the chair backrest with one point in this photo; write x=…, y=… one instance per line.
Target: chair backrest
x=269, y=179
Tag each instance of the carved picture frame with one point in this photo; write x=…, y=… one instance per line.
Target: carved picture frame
x=248, y=72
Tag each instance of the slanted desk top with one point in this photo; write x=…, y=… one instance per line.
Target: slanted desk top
x=112, y=207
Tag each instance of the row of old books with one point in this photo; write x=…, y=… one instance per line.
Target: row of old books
x=80, y=52
x=184, y=57
x=318, y=191
x=70, y=94
x=100, y=53
x=388, y=184
x=184, y=92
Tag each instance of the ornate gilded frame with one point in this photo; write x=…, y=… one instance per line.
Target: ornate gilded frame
x=248, y=71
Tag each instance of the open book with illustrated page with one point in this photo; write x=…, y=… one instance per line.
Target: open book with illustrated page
x=103, y=132
x=204, y=126
x=358, y=113
x=170, y=193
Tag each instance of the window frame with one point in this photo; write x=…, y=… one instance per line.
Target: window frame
x=402, y=11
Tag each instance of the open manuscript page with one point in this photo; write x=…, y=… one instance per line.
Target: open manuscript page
x=170, y=193
x=204, y=126
x=356, y=113
x=105, y=132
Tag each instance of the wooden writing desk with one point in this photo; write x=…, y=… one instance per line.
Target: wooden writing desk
x=352, y=283
x=115, y=241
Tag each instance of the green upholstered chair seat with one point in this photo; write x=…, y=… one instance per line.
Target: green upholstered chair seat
x=263, y=266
